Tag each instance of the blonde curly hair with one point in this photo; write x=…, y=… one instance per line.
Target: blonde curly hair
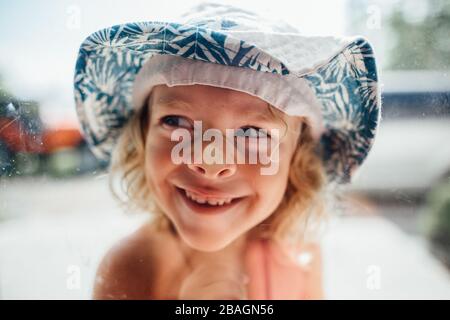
x=298, y=217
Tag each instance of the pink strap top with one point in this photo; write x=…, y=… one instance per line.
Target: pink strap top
x=273, y=274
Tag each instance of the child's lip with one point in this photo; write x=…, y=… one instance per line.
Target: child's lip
x=204, y=208
x=209, y=194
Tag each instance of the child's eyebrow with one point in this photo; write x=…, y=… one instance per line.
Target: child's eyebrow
x=175, y=102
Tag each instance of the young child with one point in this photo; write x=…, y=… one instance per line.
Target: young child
x=175, y=105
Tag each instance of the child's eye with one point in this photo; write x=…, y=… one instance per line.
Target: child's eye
x=176, y=121
x=252, y=132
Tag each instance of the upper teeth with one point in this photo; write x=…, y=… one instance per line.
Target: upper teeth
x=210, y=201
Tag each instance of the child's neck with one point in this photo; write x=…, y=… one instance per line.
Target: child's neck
x=233, y=252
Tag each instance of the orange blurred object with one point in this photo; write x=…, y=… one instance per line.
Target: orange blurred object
x=18, y=140
x=60, y=138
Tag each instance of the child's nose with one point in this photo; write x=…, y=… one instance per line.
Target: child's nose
x=213, y=171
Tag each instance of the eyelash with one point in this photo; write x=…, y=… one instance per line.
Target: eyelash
x=163, y=120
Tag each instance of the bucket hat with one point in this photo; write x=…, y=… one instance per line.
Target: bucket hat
x=331, y=80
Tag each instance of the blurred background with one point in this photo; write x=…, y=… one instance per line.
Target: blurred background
x=388, y=239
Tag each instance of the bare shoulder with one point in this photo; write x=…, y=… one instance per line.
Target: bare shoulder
x=307, y=258
x=306, y=254
x=312, y=252
x=130, y=268
x=311, y=257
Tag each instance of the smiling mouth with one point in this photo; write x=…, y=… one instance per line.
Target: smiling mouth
x=197, y=201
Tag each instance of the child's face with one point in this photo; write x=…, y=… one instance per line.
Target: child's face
x=208, y=227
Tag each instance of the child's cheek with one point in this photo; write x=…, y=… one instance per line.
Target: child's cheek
x=158, y=152
x=278, y=169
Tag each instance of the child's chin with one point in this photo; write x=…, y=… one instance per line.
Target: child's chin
x=208, y=245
